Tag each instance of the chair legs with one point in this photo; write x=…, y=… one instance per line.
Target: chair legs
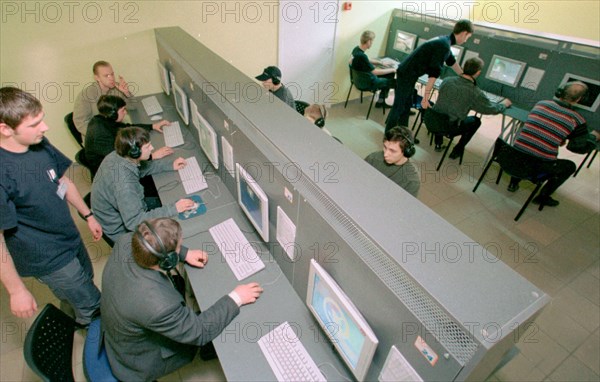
x=485, y=170
x=348, y=96
x=371, y=105
x=584, y=160
x=529, y=199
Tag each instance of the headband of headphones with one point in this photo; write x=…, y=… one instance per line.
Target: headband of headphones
x=166, y=260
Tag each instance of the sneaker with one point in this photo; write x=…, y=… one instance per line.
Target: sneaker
x=417, y=141
x=513, y=187
x=456, y=154
x=547, y=200
x=438, y=148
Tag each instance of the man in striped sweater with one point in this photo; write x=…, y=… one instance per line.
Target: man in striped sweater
x=548, y=126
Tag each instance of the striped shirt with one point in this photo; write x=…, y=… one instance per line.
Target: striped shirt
x=547, y=127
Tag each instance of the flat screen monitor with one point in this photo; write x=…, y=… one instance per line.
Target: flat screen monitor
x=457, y=52
x=592, y=99
x=254, y=202
x=405, y=42
x=206, y=135
x=165, y=81
x=505, y=70
x=340, y=319
x=181, y=103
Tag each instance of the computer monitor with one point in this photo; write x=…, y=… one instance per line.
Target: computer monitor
x=592, y=99
x=181, y=103
x=505, y=70
x=340, y=319
x=254, y=201
x=206, y=135
x=457, y=52
x=163, y=74
x=405, y=42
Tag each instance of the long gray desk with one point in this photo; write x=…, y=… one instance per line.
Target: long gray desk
x=237, y=347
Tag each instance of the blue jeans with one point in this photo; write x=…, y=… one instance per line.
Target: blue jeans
x=74, y=283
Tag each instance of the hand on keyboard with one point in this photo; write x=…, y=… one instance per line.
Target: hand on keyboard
x=178, y=164
x=248, y=293
x=184, y=205
x=159, y=125
x=196, y=258
x=162, y=152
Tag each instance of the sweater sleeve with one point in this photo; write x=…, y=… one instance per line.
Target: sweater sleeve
x=483, y=105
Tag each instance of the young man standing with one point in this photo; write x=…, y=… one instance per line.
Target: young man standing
x=393, y=161
x=38, y=237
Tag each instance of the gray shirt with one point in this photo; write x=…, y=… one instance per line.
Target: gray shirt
x=118, y=197
x=86, y=105
x=285, y=95
x=405, y=175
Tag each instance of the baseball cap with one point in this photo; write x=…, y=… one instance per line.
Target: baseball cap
x=269, y=72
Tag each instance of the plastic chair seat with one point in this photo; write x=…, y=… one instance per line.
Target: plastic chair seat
x=363, y=82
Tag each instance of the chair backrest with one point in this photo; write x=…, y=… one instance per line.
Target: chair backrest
x=95, y=361
x=515, y=162
x=362, y=80
x=434, y=121
x=74, y=132
x=300, y=106
x=48, y=347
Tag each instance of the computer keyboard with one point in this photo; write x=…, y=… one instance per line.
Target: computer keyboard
x=493, y=97
x=287, y=357
x=151, y=105
x=172, y=134
x=239, y=254
x=191, y=177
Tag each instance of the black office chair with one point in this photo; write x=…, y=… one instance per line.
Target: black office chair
x=351, y=85
x=594, y=152
x=364, y=82
x=48, y=347
x=300, y=106
x=437, y=123
x=73, y=130
x=512, y=161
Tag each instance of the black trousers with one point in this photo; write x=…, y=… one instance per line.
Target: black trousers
x=559, y=170
x=466, y=129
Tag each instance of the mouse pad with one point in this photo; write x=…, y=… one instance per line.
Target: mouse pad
x=193, y=213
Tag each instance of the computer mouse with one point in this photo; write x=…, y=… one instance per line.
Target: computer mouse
x=156, y=117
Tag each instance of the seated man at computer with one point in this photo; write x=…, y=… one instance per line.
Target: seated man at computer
x=104, y=83
x=102, y=131
x=393, y=161
x=549, y=125
x=271, y=80
x=148, y=330
x=381, y=78
x=457, y=97
x=118, y=197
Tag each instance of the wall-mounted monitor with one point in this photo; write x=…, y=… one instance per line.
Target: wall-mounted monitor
x=592, y=99
x=181, y=103
x=206, y=135
x=340, y=319
x=405, y=42
x=457, y=52
x=253, y=201
x=165, y=81
x=505, y=70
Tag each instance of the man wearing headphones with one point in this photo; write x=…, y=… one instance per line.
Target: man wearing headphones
x=271, y=80
x=549, y=124
x=117, y=195
x=148, y=330
x=317, y=114
x=393, y=161
x=102, y=131
x=457, y=97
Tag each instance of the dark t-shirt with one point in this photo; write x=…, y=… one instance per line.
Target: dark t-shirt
x=39, y=231
x=360, y=61
x=428, y=59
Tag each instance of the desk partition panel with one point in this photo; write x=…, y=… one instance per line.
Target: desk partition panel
x=451, y=309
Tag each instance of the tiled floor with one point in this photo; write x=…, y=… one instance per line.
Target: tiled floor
x=557, y=249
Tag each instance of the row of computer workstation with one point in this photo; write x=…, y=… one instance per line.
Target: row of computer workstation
x=522, y=67
x=361, y=281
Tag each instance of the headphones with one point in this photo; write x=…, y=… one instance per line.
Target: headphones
x=276, y=80
x=561, y=91
x=409, y=146
x=166, y=260
x=321, y=121
x=108, y=107
x=134, y=150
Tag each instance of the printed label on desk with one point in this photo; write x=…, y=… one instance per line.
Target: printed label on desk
x=426, y=351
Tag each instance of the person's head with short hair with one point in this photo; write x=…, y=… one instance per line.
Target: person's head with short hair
x=366, y=38
x=573, y=92
x=16, y=105
x=134, y=143
x=270, y=78
x=395, y=142
x=316, y=114
x=463, y=29
x=473, y=66
x=169, y=232
x=21, y=120
x=104, y=75
x=112, y=107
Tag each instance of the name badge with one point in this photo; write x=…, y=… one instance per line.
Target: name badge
x=62, y=189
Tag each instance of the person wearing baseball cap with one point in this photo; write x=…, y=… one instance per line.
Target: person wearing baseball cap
x=271, y=80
